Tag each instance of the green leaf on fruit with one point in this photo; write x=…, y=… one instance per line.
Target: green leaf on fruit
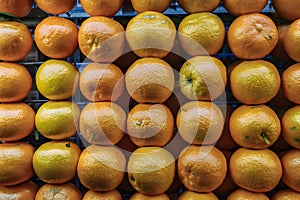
x=293, y=128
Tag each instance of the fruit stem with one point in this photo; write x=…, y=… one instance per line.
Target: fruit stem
x=264, y=136
x=68, y=144
x=36, y=135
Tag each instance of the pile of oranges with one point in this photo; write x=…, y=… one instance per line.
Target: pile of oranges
x=147, y=107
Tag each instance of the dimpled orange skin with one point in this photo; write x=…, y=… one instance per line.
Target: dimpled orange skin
x=241, y=7
x=140, y=196
x=291, y=40
x=107, y=8
x=55, y=6
x=197, y=6
x=290, y=81
x=15, y=82
x=291, y=126
x=66, y=191
x=150, y=5
x=255, y=170
x=56, y=37
x=15, y=163
x=101, y=39
x=247, y=195
x=16, y=121
x=23, y=191
x=16, y=7
x=15, y=41
x=287, y=9
x=252, y=36
x=286, y=194
x=111, y=195
x=291, y=167
x=202, y=168
x=190, y=195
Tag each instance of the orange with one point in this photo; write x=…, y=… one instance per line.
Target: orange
x=279, y=51
x=15, y=163
x=286, y=194
x=101, y=82
x=22, y=191
x=15, y=39
x=56, y=37
x=57, y=79
x=238, y=7
x=150, y=125
x=150, y=5
x=255, y=82
x=15, y=82
x=201, y=168
x=151, y=170
x=101, y=39
x=58, y=192
x=203, y=78
x=16, y=121
x=101, y=168
x=111, y=195
x=287, y=9
x=150, y=80
x=290, y=81
x=55, y=162
x=151, y=34
x=200, y=122
x=15, y=7
x=197, y=6
x=255, y=170
x=256, y=127
x=252, y=36
x=102, y=123
x=106, y=8
x=140, y=196
x=291, y=40
x=189, y=195
x=291, y=167
x=201, y=34
x=247, y=195
x=56, y=6
x=291, y=126
x=57, y=120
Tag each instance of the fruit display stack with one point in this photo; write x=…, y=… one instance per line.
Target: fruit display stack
x=149, y=99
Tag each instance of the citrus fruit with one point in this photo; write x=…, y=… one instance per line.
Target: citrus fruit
x=57, y=120
x=203, y=78
x=252, y=36
x=140, y=196
x=150, y=5
x=201, y=34
x=287, y=9
x=189, y=195
x=101, y=82
x=247, y=195
x=151, y=34
x=15, y=7
x=15, y=163
x=56, y=37
x=291, y=40
x=101, y=39
x=254, y=82
x=55, y=162
x=201, y=168
x=106, y=8
x=57, y=79
x=150, y=80
x=290, y=81
x=111, y=195
x=279, y=51
x=58, y=192
x=290, y=167
x=151, y=170
x=256, y=127
x=22, y=191
x=16, y=121
x=255, y=170
x=290, y=122
x=56, y=6
x=286, y=194
x=101, y=168
x=150, y=125
x=16, y=40
x=198, y=6
x=102, y=123
x=15, y=82
x=200, y=122
x=238, y=7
